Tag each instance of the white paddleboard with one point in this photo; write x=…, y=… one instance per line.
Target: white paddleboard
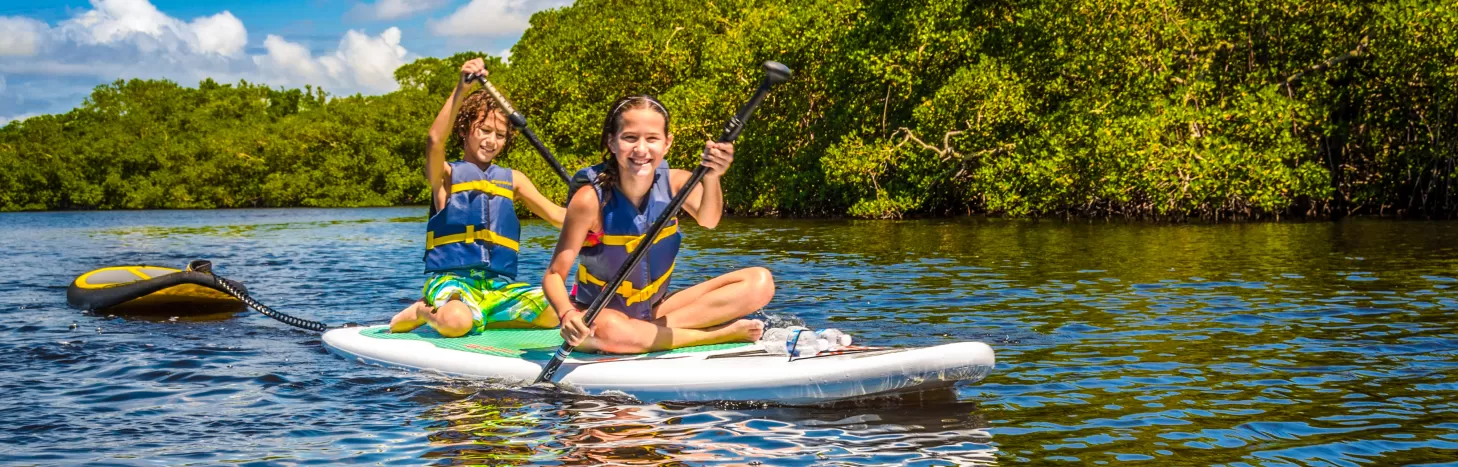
x=728, y=372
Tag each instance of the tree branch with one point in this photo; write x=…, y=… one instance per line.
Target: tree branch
x=946, y=151
x=1328, y=63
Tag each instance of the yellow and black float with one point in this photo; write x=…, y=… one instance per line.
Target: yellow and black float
x=155, y=289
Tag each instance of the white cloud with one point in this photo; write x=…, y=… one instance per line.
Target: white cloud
x=287, y=59
x=221, y=33
x=492, y=18
x=394, y=9
x=371, y=60
x=133, y=39
x=20, y=37
x=6, y=119
x=113, y=20
x=361, y=62
x=139, y=23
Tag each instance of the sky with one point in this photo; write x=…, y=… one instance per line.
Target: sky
x=52, y=53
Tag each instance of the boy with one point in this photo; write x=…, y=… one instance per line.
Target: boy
x=472, y=235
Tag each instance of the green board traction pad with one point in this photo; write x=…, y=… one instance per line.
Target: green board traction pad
x=525, y=344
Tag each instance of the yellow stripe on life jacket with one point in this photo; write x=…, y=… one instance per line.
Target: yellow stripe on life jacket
x=501, y=189
x=630, y=294
x=471, y=235
x=630, y=242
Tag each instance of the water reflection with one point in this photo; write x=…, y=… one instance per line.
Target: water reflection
x=500, y=427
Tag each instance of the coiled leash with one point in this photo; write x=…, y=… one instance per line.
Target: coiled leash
x=205, y=266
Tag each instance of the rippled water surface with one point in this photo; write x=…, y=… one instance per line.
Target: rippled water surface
x=1245, y=344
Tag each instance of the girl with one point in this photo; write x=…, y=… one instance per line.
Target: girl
x=472, y=235
x=610, y=207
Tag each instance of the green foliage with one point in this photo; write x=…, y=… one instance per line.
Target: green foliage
x=1141, y=108
x=153, y=144
x=1132, y=108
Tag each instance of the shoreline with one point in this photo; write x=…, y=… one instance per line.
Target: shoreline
x=1065, y=218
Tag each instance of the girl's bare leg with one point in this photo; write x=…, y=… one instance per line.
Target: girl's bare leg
x=615, y=332
x=717, y=301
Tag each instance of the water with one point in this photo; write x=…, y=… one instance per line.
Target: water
x=1245, y=344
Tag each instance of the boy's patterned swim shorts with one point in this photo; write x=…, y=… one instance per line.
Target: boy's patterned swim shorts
x=490, y=298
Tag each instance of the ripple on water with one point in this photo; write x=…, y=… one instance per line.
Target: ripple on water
x=1250, y=344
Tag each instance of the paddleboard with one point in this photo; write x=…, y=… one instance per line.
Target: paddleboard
x=142, y=289
x=726, y=372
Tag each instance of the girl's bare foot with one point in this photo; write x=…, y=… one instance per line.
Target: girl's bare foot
x=746, y=330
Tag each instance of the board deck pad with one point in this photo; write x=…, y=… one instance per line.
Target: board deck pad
x=724, y=372
x=526, y=344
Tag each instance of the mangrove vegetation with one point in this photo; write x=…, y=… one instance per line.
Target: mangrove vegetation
x=1132, y=108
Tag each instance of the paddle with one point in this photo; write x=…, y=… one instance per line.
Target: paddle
x=775, y=73
x=520, y=123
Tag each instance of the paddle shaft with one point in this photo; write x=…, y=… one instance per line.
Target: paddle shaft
x=519, y=121
x=731, y=132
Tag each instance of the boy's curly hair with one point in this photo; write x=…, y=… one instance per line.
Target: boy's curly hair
x=474, y=111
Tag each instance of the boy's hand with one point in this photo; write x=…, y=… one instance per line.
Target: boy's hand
x=472, y=69
x=574, y=331
x=717, y=157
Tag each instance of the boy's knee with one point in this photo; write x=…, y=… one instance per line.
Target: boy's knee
x=454, y=319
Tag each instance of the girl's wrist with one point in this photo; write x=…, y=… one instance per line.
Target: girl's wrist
x=562, y=315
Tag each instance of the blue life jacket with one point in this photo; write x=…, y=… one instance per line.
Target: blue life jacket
x=623, y=229
x=478, y=228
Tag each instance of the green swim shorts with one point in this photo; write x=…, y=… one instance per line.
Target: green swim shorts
x=491, y=298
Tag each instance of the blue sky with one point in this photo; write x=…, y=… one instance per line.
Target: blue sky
x=52, y=53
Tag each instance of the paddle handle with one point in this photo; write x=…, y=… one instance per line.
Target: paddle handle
x=519, y=121
x=775, y=73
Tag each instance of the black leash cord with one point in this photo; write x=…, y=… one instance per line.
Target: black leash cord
x=269, y=312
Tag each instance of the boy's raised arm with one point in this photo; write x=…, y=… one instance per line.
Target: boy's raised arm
x=536, y=202
x=436, y=170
